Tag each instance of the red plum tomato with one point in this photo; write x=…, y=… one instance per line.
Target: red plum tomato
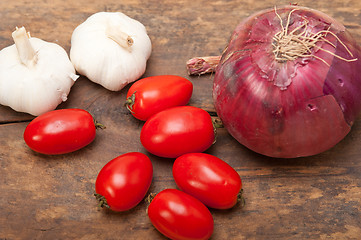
x=179, y=216
x=207, y=178
x=124, y=181
x=60, y=131
x=151, y=95
x=178, y=130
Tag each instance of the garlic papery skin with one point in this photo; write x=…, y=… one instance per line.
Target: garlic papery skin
x=35, y=75
x=110, y=49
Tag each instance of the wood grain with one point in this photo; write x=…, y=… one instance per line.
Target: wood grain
x=51, y=197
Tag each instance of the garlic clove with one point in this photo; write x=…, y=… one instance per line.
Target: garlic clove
x=111, y=49
x=35, y=75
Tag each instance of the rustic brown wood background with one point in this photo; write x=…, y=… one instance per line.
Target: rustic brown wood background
x=51, y=197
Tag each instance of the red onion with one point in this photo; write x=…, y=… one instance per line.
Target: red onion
x=289, y=84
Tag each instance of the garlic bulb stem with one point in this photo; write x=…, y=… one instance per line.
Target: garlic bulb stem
x=26, y=52
x=121, y=38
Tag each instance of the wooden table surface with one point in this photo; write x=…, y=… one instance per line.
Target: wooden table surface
x=51, y=197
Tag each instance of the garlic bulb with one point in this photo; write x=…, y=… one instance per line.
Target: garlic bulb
x=35, y=75
x=111, y=49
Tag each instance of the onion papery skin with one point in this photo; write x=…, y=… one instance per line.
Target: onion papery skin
x=293, y=108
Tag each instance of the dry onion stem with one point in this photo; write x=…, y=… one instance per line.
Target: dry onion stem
x=295, y=44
